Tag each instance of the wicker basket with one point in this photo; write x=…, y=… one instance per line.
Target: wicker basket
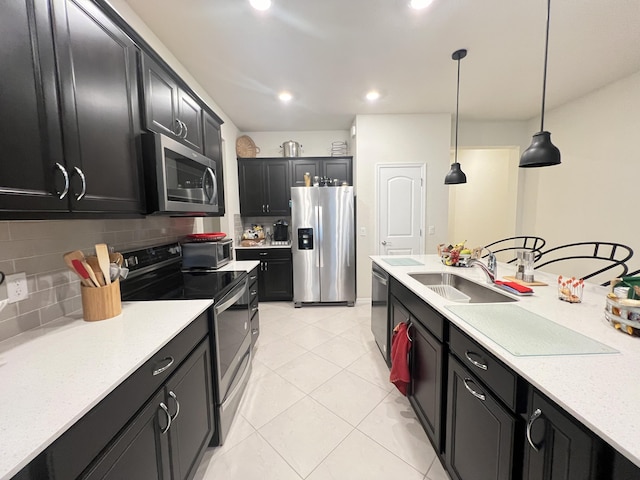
x=245, y=148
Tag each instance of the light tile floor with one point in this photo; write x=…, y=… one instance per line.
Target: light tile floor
x=319, y=406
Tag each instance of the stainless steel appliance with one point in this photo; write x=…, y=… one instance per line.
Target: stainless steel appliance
x=380, y=326
x=156, y=274
x=281, y=231
x=179, y=180
x=207, y=255
x=323, y=247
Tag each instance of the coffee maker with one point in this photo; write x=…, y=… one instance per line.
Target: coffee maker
x=281, y=231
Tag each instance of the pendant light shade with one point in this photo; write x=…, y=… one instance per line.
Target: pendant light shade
x=541, y=152
x=456, y=175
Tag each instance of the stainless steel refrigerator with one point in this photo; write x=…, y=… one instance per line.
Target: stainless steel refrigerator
x=323, y=245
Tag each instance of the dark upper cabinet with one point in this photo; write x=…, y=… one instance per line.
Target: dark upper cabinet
x=264, y=187
x=556, y=447
x=332, y=167
x=340, y=168
x=69, y=47
x=33, y=169
x=213, y=150
x=100, y=114
x=168, y=108
x=480, y=431
x=301, y=166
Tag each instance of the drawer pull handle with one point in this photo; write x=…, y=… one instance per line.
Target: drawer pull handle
x=481, y=366
x=252, y=278
x=263, y=254
x=254, y=293
x=170, y=361
x=166, y=411
x=254, y=310
x=480, y=396
x=534, y=416
x=255, y=331
x=175, y=399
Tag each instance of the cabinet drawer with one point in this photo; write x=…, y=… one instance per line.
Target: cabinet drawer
x=262, y=253
x=500, y=379
x=426, y=315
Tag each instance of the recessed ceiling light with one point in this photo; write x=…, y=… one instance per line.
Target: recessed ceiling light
x=260, y=4
x=373, y=95
x=420, y=4
x=285, y=96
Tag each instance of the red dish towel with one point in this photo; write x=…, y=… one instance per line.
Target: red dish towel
x=516, y=286
x=400, y=346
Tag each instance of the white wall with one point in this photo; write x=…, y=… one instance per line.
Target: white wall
x=484, y=209
x=314, y=144
x=399, y=139
x=592, y=194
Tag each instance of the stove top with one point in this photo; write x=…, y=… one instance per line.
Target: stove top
x=156, y=274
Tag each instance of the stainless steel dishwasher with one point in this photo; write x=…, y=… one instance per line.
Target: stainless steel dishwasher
x=379, y=311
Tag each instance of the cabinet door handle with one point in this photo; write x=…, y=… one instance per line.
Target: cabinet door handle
x=254, y=310
x=170, y=361
x=84, y=183
x=266, y=266
x=175, y=399
x=475, y=363
x=166, y=411
x=254, y=331
x=253, y=277
x=254, y=293
x=263, y=210
x=186, y=130
x=268, y=209
x=534, y=416
x=478, y=395
x=65, y=175
x=178, y=129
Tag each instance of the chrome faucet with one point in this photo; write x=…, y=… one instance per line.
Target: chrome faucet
x=490, y=269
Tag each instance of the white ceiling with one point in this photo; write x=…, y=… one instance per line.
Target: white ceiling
x=328, y=53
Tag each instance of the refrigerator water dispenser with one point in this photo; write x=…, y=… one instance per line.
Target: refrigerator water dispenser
x=305, y=239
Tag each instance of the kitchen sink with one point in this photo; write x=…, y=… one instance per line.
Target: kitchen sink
x=457, y=288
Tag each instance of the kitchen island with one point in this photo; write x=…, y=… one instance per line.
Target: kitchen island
x=598, y=390
x=54, y=375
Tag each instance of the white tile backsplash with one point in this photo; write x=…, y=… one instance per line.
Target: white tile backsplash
x=36, y=248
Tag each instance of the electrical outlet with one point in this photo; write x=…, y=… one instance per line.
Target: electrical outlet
x=17, y=287
x=432, y=230
x=363, y=231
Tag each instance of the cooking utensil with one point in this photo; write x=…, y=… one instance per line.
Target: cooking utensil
x=116, y=258
x=102, y=252
x=81, y=270
x=291, y=149
x=92, y=260
x=69, y=257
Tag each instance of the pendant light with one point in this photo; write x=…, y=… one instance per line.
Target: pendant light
x=456, y=175
x=541, y=152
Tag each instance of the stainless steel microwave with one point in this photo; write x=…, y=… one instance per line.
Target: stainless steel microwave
x=179, y=180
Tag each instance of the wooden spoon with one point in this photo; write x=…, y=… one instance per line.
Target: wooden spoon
x=92, y=260
x=69, y=257
x=102, y=253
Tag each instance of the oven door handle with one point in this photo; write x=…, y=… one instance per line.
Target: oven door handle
x=235, y=297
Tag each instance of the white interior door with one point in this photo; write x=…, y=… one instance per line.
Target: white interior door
x=400, y=209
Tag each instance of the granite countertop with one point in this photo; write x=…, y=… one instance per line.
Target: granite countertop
x=599, y=390
x=53, y=375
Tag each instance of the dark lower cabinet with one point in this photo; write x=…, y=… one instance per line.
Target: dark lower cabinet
x=556, y=447
x=275, y=272
x=426, y=395
x=480, y=431
x=168, y=438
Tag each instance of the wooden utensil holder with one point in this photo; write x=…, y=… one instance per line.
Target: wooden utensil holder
x=101, y=303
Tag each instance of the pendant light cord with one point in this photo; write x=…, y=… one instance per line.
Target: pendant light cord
x=457, y=104
x=544, y=78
